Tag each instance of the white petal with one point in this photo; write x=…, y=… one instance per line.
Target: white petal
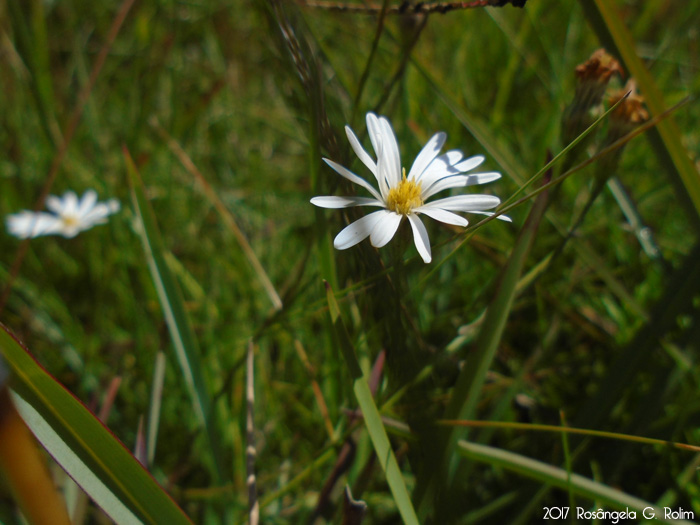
x=443, y=216
x=385, y=228
x=384, y=175
x=27, y=224
x=55, y=204
x=87, y=202
x=465, y=203
x=470, y=163
x=69, y=204
x=357, y=231
x=429, y=152
x=459, y=181
x=451, y=157
x=504, y=218
x=420, y=237
x=482, y=178
x=360, y=151
x=374, y=132
x=390, y=152
x=442, y=166
x=97, y=215
x=344, y=202
x=353, y=178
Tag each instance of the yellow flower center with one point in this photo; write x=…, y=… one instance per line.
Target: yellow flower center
x=70, y=220
x=405, y=196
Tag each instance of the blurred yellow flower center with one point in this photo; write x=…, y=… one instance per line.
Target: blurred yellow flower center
x=405, y=196
x=70, y=220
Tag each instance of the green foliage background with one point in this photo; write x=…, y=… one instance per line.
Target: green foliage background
x=607, y=335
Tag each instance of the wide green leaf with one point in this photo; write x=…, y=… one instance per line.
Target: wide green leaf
x=83, y=446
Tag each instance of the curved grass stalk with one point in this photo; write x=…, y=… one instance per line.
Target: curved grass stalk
x=567, y=430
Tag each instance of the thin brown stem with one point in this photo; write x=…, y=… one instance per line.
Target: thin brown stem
x=251, y=453
x=226, y=215
x=406, y=7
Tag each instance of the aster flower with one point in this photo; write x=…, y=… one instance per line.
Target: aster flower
x=402, y=195
x=69, y=216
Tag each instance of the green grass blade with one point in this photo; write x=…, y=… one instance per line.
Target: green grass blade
x=579, y=485
x=29, y=25
x=571, y=430
x=466, y=393
x=373, y=420
x=666, y=137
x=155, y=406
x=184, y=342
x=83, y=446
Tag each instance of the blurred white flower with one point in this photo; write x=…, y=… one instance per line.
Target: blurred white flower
x=404, y=196
x=70, y=216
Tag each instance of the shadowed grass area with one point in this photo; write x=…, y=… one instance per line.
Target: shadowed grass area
x=601, y=329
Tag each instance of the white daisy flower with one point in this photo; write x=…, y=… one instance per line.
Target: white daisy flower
x=70, y=216
x=405, y=196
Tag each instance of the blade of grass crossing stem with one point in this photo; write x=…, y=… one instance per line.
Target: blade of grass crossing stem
x=155, y=406
x=466, y=392
x=373, y=421
x=171, y=302
x=83, y=446
x=666, y=137
x=560, y=478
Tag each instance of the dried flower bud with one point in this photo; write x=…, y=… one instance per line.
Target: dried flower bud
x=630, y=112
x=598, y=69
x=592, y=78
